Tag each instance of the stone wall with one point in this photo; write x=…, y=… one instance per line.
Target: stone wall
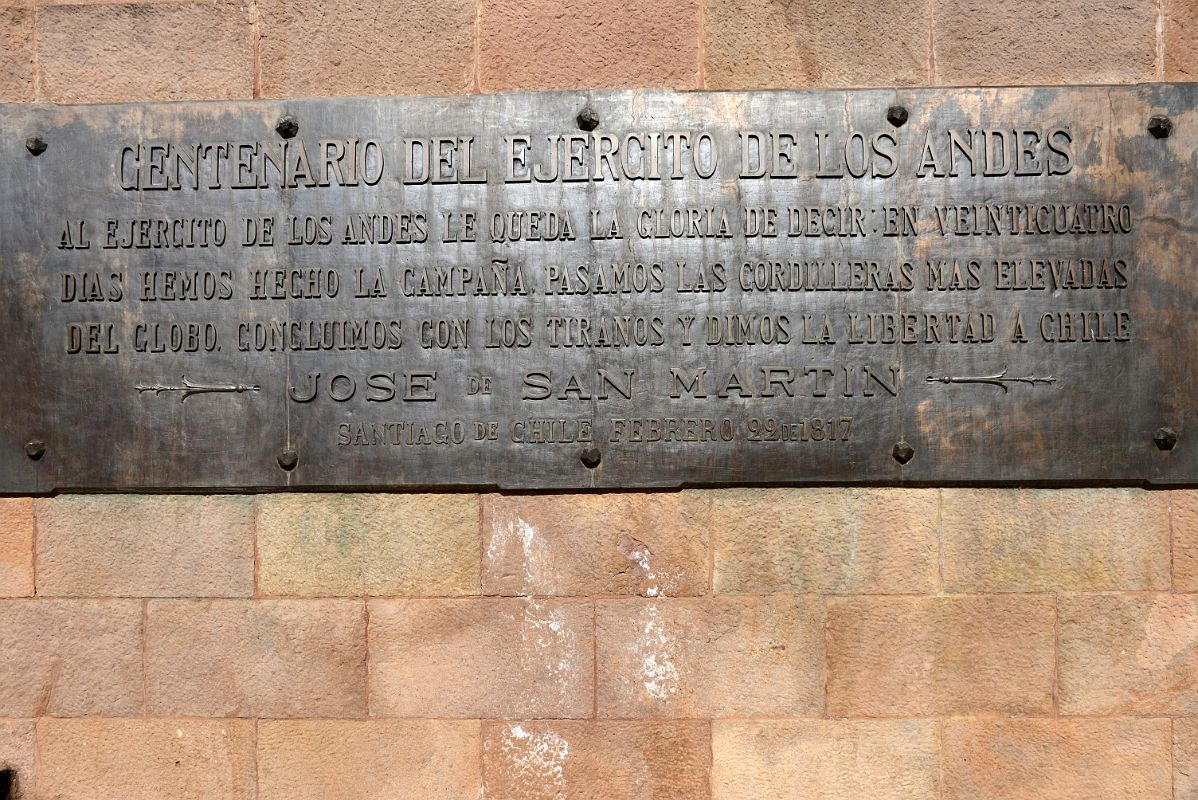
x=846, y=643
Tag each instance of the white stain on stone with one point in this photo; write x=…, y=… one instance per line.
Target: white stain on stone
x=639, y=554
x=658, y=672
x=549, y=646
x=532, y=552
x=545, y=627
x=536, y=760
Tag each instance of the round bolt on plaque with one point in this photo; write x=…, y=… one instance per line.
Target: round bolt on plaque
x=288, y=459
x=287, y=126
x=590, y=457
x=588, y=119
x=1165, y=438
x=1160, y=126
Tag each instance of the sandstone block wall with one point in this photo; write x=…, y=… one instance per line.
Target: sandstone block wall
x=920, y=644
x=923, y=644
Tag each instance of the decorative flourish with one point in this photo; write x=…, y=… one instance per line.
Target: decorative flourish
x=188, y=388
x=1000, y=380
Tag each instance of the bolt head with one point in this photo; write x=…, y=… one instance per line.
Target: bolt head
x=903, y=452
x=35, y=449
x=36, y=145
x=1165, y=438
x=1160, y=126
x=287, y=126
x=897, y=116
x=590, y=457
x=288, y=460
x=588, y=119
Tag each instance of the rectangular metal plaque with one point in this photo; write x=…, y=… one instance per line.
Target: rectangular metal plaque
x=607, y=289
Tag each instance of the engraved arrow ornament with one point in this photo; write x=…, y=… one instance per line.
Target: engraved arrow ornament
x=1000, y=380
x=188, y=388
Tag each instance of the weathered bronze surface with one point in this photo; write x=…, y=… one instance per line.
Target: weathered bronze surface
x=606, y=289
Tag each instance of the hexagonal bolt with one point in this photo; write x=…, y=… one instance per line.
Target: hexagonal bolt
x=897, y=116
x=1165, y=438
x=287, y=126
x=36, y=145
x=588, y=119
x=903, y=452
x=288, y=460
x=35, y=449
x=590, y=457
x=1160, y=126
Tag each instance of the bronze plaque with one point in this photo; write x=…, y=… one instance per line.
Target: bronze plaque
x=605, y=289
